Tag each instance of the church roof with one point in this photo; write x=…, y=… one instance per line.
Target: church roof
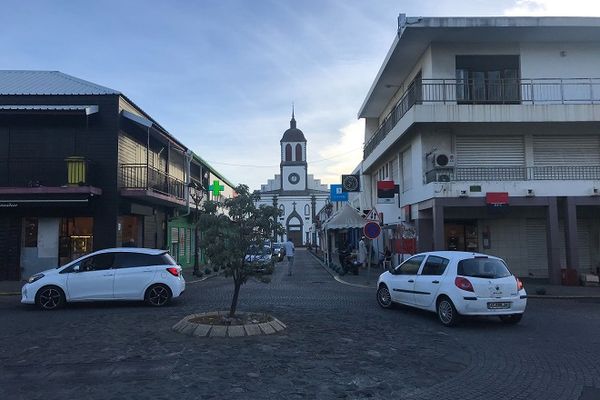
x=293, y=134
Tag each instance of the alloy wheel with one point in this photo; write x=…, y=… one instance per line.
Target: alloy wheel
x=158, y=296
x=50, y=298
x=445, y=312
x=383, y=297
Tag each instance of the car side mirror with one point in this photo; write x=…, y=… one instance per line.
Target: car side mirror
x=392, y=269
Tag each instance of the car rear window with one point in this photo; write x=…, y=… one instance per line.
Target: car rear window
x=489, y=268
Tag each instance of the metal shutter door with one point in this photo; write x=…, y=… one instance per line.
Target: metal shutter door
x=490, y=151
x=537, y=253
x=566, y=150
x=583, y=245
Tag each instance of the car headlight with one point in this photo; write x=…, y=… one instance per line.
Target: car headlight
x=34, y=278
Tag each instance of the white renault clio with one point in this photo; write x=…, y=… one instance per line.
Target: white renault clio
x=111, y=274
x=453, y=283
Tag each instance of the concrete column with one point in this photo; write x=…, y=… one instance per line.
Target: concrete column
x=438, y=227
x=424, y=234
x=553, y=242
x=571, y=233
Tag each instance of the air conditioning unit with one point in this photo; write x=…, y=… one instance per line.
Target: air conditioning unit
x=443, y=160
x=444, y=176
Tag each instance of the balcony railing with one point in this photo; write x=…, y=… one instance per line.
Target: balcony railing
x=45, y=172
x=139, y=176
x=514, y=173
x=488, y=91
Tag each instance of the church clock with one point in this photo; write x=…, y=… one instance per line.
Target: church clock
x=293, y=178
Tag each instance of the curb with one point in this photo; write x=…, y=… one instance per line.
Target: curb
x=551, y=297
x=9, y=293
x=186, y=327
x=213, y=275
x=337, y=277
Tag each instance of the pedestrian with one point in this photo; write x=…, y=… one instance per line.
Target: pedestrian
x=289, y=253
x=362, y=252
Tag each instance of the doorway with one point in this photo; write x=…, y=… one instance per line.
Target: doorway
x=461, y=236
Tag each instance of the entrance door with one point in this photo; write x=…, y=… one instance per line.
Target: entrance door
x=462, y=236
x=294, y=231
x=10, y=248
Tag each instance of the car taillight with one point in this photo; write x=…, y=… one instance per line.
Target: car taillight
x=463, y=283
x=173, y=271
x=519, y=284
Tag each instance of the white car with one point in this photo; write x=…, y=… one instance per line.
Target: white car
x=453, y=283
x=111, y=274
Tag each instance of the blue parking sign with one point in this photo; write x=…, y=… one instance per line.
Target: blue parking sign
x=336, y=193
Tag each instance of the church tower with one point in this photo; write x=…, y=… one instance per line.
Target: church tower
x=293, y=167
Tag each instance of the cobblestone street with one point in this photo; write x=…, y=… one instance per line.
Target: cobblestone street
x=338, y=344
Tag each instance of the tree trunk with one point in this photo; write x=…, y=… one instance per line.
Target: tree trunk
x=236, y=292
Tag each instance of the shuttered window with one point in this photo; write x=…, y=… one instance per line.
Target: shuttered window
x=406, y=170
x=566, y=150
x=490, y=151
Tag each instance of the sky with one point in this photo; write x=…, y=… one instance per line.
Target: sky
x=221, y=75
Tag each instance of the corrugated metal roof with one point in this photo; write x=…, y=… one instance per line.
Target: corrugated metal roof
x=17, y=82
x=35, y=107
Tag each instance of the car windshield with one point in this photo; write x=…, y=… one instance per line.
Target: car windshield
x=489, y=268
x=258, y=251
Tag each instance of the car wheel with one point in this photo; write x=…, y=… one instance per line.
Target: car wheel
x=384, y=299
x=158, y=295
x=50, y=298
x=446, y=312
x=511, y=319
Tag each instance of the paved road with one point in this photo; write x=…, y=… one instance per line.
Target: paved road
x=339, y=344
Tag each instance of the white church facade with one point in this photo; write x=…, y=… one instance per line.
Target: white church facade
x=297, y=194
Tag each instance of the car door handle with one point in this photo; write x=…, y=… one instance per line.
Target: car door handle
x=411, y=281
x=111, y=274
x=147, y=270
x=435, y=281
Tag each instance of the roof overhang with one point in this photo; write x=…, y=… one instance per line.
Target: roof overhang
x=36, y=108
x=153, y=197
x=415, y=35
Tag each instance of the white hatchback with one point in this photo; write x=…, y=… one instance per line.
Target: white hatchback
x=453, y=283
x=111, y=274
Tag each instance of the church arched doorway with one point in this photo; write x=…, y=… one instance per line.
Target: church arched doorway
x=294, y=228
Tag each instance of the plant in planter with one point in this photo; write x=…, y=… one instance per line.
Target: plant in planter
x=207, y=271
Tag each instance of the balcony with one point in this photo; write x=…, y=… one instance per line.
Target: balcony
x=543, y=91
x=45, y=172
x=135, y=178
x=558, y=173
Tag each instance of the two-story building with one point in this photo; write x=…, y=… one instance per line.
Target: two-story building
x=491, y=128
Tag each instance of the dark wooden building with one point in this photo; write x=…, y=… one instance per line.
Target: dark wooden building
x=81, y=168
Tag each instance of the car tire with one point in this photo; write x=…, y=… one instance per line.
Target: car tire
x=511, y=319
x=158, y=295
x=384, y=298
x=50, y=298
x=446, y=312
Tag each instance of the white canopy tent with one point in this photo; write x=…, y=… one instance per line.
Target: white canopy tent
x=345, y=218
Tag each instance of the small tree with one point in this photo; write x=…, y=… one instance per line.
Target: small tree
x=231, y=227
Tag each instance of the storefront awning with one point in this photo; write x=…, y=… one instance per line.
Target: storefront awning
x=345, y=218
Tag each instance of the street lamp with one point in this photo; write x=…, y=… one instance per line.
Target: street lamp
x=197, y=194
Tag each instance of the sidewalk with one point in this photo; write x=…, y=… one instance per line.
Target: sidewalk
x=536, y=289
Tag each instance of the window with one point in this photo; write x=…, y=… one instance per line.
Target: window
x=483, y=267
x=181, y=244
x=188, y=244
x=288, y=152
x=487, y=79
x=282, y=209
x=30, y=232
x=410, y=266
x=435, y=266
x=97, y=263
x=406, y=170
x=132, y=260
x=298, y=152
x=306, y=209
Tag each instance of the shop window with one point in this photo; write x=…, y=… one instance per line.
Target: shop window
x=30, y=232
x=75, y=238
x=131, y=227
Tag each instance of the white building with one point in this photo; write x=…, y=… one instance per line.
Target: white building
x=491, y=127
x=297, y=194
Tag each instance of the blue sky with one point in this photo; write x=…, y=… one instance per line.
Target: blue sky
x=222, y=75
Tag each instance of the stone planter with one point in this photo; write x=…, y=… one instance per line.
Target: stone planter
x=188, y=326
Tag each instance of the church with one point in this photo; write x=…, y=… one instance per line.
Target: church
x=297, y=194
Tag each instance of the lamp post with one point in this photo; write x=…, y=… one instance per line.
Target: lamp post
x=197, y=194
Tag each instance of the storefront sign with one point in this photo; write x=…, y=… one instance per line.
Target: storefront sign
x=337, y=194
x=496, y=199
x=8, y=205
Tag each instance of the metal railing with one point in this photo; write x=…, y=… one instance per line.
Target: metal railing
x=582, y=172
x=44, y=172
x=140, y=176
x=488, y=91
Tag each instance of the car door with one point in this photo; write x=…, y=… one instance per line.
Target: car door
x=133, y=273
x=92, y=278
x=428, y=281
x=403, y=280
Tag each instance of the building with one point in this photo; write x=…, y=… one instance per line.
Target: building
x=491, y=128
x=297, y=194
x=82, y=168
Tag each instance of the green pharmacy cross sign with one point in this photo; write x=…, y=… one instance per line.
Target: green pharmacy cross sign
x=216, y=188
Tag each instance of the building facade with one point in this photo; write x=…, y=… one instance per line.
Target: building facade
x=298, y=195
x=491, y=129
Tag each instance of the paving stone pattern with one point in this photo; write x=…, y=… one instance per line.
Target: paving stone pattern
x=338, y=344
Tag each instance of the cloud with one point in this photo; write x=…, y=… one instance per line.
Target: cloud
x=554, y=8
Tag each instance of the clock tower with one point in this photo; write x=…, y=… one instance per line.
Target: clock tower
x=293, y=167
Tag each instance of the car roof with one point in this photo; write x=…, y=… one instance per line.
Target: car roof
x=460, y=255
x=139, y=250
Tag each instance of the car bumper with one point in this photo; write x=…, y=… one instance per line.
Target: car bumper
x=27, y=294
x=479, y=306
x=181, y=287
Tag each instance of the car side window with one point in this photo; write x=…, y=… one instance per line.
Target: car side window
x=435, y=265
x=97, y=263
x=410, y=266
x=132, y=260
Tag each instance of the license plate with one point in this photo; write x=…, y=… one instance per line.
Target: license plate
x=498, y=305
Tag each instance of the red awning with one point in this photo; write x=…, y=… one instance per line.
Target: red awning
x=496, y=198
